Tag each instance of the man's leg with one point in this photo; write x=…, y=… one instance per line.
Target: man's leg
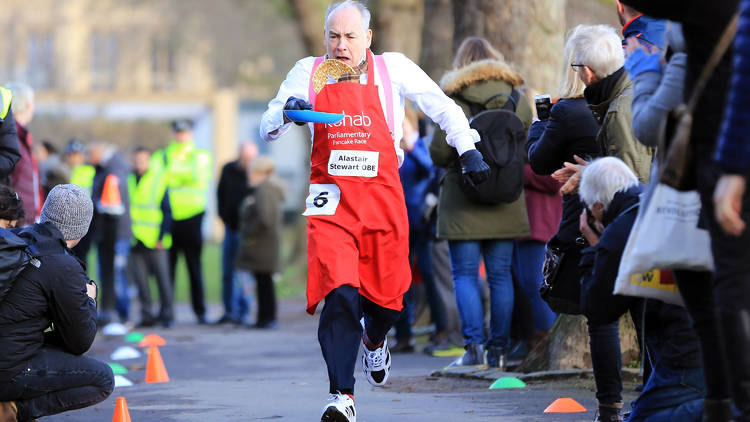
x=106, y=262
x=339, y=334
x=604, y=343
x=193, y=250
x=159, y=265
x=670, y=395
x=122, y=249
x=138, y=267
x=441, y=265
x=228, y=291
x=58, y=382
x=266, y=298
x=378, y=320
x=423, y=248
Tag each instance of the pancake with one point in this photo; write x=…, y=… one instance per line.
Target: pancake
x=330, y=71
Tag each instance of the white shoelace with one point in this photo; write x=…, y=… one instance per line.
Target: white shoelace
x=376, y=358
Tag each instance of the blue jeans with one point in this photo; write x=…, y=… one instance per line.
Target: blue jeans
x=498, y=255
x=670, y=395
x=528, y=259
x=229, y=293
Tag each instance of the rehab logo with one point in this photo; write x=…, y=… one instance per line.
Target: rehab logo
x=361, y=120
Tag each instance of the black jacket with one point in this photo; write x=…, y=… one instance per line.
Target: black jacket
x=570, y=130
x=52, y=295
x=703, y=22
x=669, y=334
x=9, y=152
x=231, y=191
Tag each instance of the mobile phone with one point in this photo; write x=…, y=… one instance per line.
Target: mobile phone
x=543, y=104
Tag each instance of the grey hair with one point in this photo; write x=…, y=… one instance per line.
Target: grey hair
x=23, y=95
x=571, y=85
x=603, y=178
x=363, y=10
x=600, y=48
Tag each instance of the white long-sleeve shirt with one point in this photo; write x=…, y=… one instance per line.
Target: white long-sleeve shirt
x=407, y=81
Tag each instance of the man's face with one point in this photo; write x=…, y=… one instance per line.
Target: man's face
x=345, y=38
x=248, y=151
x=587, y=75
x=75, y=159
x=183, y=136
x=141, y=160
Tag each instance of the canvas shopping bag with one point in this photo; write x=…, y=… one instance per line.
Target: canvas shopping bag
x=665, y=236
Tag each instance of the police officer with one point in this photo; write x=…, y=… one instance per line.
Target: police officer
x=9, y=152
x=188, y=172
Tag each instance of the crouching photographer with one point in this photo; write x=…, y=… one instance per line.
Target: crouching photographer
x=676, y=387
x=43, y=372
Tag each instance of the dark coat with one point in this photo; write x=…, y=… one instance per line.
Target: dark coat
x=103, y=221
x=417, y=173
x=570, y=130
x=260, y=228
x=54, y=293
x=26, y=179
x=9, y=152
x=230, y=192
x=703, y=22
x=668, y=328
x=460, y=218
x=733, y=152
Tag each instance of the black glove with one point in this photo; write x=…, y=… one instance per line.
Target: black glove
x=294, y=103
x=473, y=168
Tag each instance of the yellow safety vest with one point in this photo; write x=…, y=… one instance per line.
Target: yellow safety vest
x=145, y=208
x=188, y=172
x=6, y=95
x=83, y=176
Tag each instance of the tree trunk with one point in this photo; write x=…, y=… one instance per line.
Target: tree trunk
x=397, y=26
x=437, y=34
x=309, y=17
x=530, y=34
x=567, y=346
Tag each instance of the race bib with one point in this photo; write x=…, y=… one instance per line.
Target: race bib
x=323, y=199
x=353, y=163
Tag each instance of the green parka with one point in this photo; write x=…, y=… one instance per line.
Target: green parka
x=460, y=218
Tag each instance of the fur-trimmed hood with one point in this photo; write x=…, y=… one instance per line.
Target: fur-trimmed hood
x=483, y=70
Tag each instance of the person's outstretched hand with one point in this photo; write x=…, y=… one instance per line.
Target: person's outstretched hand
x=294, y=103
x=473, y=168
x=728, y=203
x=570, y=175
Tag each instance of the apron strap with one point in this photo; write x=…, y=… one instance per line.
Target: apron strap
x=311, y=94
x=387, y=88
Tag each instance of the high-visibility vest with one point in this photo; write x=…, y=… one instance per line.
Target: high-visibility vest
x=188, y=172
x=6, y=96
x=83, y=176
x=146, y=215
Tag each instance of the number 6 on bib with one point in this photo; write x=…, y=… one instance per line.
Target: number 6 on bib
x=323, y=199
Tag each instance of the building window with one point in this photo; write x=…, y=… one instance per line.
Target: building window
x=40, y=62
x=104, y=54
x=163, y=66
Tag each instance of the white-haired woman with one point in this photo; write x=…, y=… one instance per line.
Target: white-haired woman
x=570, y=131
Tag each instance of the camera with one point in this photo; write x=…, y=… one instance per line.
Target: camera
x=543, y=104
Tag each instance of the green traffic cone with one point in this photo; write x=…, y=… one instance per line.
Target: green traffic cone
x=507, y=382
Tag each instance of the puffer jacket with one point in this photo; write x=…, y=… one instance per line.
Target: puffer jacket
x=53, y=293
x=460, y=218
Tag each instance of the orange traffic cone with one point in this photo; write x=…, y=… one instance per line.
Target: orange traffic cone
x=121, y=411
x=110, y=201
x=565, y=405
x=152, y=340
x=155, y=370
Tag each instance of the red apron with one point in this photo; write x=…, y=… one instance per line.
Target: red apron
x=357, y=228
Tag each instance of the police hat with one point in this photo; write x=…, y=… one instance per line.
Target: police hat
x=74, y=146
x=182, y=125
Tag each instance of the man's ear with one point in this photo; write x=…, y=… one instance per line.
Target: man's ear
x=368, y=35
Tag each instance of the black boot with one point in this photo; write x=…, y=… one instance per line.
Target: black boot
x=717, y=410
x=735, y=330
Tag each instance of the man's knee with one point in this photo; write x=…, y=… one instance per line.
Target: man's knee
x=103, y=379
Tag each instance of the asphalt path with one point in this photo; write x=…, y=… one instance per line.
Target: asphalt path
x=226, y=373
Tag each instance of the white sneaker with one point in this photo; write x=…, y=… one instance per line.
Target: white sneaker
x=340, y=408
x=377, y=364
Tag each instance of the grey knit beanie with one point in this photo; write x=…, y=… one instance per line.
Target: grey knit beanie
x=70, y=209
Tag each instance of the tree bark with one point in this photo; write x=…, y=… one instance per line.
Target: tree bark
x=397, y=26
x=309, y=17
x=437, y=34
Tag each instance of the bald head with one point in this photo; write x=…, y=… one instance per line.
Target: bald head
x=248, y=151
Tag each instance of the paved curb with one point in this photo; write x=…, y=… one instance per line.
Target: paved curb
x=491, y=374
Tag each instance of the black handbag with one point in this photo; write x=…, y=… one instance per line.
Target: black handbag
x=561, y=287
